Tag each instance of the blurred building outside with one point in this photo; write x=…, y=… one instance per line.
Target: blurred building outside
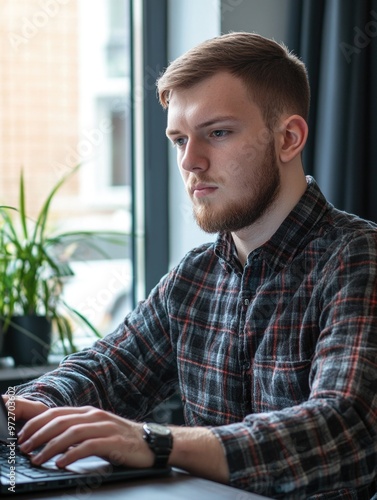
x=64, y=100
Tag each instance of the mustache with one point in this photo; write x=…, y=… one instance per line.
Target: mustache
x=203, y=179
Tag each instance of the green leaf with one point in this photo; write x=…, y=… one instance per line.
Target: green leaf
x=35, y=262
x=44, y=212
x=22, y=207
x=83, y=319
x=65, y=334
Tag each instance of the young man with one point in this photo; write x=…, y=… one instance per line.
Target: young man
x=270, y=333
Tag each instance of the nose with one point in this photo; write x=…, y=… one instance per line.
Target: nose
x=194, y=156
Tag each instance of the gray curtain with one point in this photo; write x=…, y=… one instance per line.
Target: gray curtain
x=337, y=40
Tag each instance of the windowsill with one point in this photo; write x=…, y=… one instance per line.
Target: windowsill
x=10, y=372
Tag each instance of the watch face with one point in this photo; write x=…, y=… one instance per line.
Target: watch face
x=159, y=429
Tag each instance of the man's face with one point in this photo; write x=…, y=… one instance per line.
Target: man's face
x=225, y=153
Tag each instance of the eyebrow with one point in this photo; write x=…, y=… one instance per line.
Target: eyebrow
x=208, y=123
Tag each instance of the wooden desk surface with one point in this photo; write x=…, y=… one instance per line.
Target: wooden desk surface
x=178, y=486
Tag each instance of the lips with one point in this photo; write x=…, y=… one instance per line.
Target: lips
x=202, y=189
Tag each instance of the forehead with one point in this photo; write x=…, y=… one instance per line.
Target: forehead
x=221, y=94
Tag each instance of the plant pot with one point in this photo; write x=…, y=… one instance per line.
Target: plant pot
x=28, y=340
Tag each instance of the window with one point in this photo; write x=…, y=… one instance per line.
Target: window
x=77, y=85
x=65, y=99
x=103, y=288
x=104, y=109
x=118, y=39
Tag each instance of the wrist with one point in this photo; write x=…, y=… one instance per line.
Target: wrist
x=160, y=441
x=199, y=451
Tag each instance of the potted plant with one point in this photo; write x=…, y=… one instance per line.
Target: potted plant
x=34, y=264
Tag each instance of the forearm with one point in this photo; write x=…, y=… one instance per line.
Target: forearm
x=104, y=376
x=200, y=452
x=301, y=450
x=60, y=388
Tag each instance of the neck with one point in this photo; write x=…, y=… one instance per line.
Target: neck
x=249, y=238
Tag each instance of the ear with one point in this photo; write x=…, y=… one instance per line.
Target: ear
x=293, y=132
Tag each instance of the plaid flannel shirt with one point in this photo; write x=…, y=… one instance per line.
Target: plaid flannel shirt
x=278, y=358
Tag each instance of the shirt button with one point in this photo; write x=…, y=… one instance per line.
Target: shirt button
x=246, y=302
x=246, y=366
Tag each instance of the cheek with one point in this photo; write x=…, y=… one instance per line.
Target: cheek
x=247, y=161
x=241, y=163
x=250, y=152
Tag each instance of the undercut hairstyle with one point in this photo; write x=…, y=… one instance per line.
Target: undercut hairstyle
x=276, y=78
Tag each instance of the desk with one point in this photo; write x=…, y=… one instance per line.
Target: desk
x=177, y=486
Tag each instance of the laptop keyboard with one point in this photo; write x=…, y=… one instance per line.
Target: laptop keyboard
x=24, y=466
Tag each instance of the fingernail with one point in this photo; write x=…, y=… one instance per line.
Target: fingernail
x=60, y=462
x=37, y=459
x=26, y=447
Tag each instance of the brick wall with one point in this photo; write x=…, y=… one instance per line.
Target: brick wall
x=38, y=95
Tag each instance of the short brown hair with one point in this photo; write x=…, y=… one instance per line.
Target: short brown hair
x=277, y=79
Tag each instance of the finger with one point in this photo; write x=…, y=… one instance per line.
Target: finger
x=83, y=450
x=38, y=425
x=46, y=433
x=51, y=429
x=66, y=431
x=25, y=409
x=118, y=449
x=73, y=436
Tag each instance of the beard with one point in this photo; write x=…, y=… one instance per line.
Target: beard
x=243, y=212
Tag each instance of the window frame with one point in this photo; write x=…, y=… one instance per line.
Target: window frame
x=152, y=184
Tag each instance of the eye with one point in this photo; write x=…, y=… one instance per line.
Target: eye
x=179, y=142
x=219, y=133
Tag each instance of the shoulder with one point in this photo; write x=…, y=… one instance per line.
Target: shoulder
x=350, y=222
x=331, y=225
x=349, y=247
x=351, y=231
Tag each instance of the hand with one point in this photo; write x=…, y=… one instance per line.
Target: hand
x=84, y=431
x=26, y=409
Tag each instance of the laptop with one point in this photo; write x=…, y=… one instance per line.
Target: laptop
x=19, y=475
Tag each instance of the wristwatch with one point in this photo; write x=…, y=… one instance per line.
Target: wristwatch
x=160, y=441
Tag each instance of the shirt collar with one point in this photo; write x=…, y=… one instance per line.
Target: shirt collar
x=292, y=234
